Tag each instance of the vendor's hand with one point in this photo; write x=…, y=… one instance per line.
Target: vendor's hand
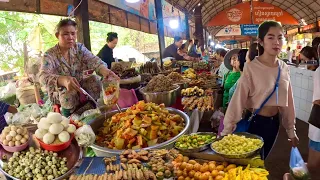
x=111, y=76
x=12, y=109
x=294, y=141
x=69, y=82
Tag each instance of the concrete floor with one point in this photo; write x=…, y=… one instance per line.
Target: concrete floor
x=278, y=161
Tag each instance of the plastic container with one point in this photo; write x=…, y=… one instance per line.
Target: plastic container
x=15, y=148
x=56, y=147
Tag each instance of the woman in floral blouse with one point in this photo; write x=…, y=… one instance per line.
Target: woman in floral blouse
x=64, y=66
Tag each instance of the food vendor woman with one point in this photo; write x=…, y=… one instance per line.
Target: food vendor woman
x=106, y=53
x=63, y=66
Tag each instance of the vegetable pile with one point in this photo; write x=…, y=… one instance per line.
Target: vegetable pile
x=55, y=129
x=36, y=164
x=142, y=125
x=194, y=141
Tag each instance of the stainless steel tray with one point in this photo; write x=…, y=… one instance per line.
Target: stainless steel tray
x=202, y=148
x=106, y=152
x=73, y=154
x=239, y=156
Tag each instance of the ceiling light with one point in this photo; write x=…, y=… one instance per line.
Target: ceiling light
x=174, y=23
x=199, y=4
x=210, y=37
x=132, y=1
x=211, y=43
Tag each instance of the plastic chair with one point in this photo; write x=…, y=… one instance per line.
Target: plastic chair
x=127, y=98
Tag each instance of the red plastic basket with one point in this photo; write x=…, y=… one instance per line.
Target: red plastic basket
x=56, y=147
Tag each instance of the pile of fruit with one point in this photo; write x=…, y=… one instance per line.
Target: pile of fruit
x=233, y=144
x=36, y=164
x=142, y=125
x=55, y=129
x=194, y=141
x=186, y=169
x=14, y=136
x=190, y=73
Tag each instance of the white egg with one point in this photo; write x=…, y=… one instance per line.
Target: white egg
x=56, y=128
x=48, y=138
x=23, y=140
x=6, y=129
x=43, y=124
x=13, y=133
x=65, y=123
x=18, y=137
x=8, y=137
x=40, y=133
x=19, y=131
x=71, y=128
x=26, y=136
x=64, y=136
x=13, y=128
x=54, y=117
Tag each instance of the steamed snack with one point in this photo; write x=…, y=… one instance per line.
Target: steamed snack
x=159, y=83
x=142, y=125
x=64, y=136
x=54, y=117
x=48, y=138
x=14, y=135
x=40, y=133
x=233, y=144
x=56, y=128
x=36, y=164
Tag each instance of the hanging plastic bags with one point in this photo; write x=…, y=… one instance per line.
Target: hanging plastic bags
x=298, y=168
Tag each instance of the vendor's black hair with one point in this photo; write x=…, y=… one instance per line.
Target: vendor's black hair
x=111, y=36
x=183, y=46
x=177, y=38
x=65, y=22
x=222, y=52
x=309, y=52
x=196, y=41
x=253, y=51
x=263, y=30
x=242, y=58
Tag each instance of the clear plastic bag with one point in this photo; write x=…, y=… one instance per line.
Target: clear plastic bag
x=111, y=91
x=298, y=168
x=85, y=136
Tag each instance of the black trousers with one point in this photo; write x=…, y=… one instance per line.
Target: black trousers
x=267, y=128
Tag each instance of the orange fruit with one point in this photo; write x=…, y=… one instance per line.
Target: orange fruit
x=196, y=167
x=178, y=173
x=189, y=167
x=214, y=173
x=179, y=158
x=191, y=173
x=220, y=168
x=183, y=165
x=197, y=175
x=204, y=176
x=193, y=162
x=187, y=178
x=222, y=173
x=185, y=173
x=212, y=167
x=185, y=159
x=213, y=162
x=225, y=164
x=204, y=168
x=219, y=177
x=230, y=166
x=181, y=178
x=211, y=178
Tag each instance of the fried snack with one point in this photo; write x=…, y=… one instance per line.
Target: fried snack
x=159, y=83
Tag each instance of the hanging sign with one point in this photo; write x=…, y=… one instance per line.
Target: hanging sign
x=231, y=30
x=249, y=29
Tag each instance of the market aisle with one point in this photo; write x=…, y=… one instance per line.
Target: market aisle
x=278, y=162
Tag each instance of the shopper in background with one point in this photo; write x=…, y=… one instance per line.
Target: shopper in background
x=220, y=53
x=252, y=52
x=172, y=50
x=106, y=53
x=230, y=61
x=289, y=54
x=308, y=54
x=193, y=52
x=257, y=82
x=182, y=52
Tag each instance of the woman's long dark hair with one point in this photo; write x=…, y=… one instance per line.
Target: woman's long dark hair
x=253, y=51
x=263, y=30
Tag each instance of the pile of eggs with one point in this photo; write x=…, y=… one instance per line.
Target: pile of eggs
x=14, y=136
x=54, y=127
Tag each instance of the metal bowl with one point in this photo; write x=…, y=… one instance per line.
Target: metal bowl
x=73, y=154
x=239, y=156
x=106, y=152
x=166, y=97
x=202, y=148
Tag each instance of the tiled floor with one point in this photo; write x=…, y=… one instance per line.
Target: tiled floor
x=278, y=162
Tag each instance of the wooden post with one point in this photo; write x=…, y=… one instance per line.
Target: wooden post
x=160, y=27
x=198, y=25
x=187, y=26
x=82, y=19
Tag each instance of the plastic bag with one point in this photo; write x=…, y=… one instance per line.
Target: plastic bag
x=85, y=136
x=8, y=90
x=111, y=91
x=298, y=168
